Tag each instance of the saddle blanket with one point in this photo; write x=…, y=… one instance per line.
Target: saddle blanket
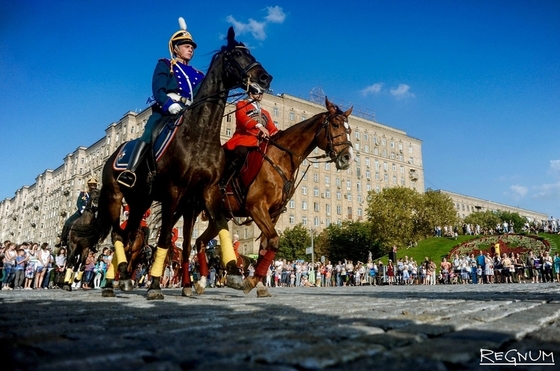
x=159, y=145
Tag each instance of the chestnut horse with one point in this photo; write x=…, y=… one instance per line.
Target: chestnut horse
x=187, y=173
x=275, y=183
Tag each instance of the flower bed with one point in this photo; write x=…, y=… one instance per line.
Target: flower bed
x=516, y=243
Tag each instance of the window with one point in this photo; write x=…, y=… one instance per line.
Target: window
x=316, y=177
x=327, y=166
x=328, y=209
x=292, y=219
x=338, y=195
x=348, y=184
x=327, y=179
x=366, y=148
x=292, y=204
x=275, y=112
x=316, y=192
x=394, y=167
x=328, y=193
x=339, y=210
x=304, y=220
x=316, y=206
x=304, y=190
x=385, y=166
x=292, y=116
x=304, y=205
x=386, y=177
x=392, y=144
x=316, y=221
x=228, y=132
x=303, y=117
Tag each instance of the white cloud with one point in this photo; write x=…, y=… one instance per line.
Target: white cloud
x=555, y=166
x=372, y=89
x=402, y=91
x=518, y=192
x=547, y=192
x=275, y=14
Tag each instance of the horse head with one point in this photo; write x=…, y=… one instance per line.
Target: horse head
x=240, y=67
x=334, y=136
x=93, y=201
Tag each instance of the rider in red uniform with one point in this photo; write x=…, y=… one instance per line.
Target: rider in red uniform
x=252, y=122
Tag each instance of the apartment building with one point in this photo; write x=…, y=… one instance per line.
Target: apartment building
x=385, y=157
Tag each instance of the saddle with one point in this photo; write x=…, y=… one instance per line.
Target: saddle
x=240, y=182
x=163, y=133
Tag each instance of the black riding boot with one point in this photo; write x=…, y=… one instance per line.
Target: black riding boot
x=128, y=177
x=232, y=167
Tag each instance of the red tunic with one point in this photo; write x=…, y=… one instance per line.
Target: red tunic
x=246, y=130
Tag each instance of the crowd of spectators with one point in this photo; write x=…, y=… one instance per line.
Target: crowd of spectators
x=30, y=266
x=482, y=269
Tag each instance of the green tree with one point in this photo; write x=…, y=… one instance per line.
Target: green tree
x=515, y=218
x=293, y=242
x=487, y=220
x=393, y=215
x=350, y=240
x=436, y=209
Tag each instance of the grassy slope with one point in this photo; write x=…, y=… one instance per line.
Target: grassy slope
x=437, y=248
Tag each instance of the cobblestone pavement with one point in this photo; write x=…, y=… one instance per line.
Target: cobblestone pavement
x=444, y=327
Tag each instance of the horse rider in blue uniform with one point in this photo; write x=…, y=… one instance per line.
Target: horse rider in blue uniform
x=81, y=204
x=174, y=85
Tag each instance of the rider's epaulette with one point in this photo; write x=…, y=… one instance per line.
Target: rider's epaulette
x=166, y=61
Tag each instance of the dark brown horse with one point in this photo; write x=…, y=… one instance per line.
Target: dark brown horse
x=275, y=183
x=79, y=247
x=187, y=173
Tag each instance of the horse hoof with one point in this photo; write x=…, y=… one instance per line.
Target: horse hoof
x=249, y=285
x=262, y=291
x=108, y=293
x=234, y=281
x=67, y=287
x=126, y=285
x=154, y=295
x=187, y=291
x=200, y=286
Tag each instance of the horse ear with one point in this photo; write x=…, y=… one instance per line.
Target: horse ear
x=349, y=112
x=331, y=108
x=231, y=36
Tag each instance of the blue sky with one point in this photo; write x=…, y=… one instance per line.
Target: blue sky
x=477, y=81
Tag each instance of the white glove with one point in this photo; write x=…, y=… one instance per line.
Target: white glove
x=175, y=108
x=176, y=97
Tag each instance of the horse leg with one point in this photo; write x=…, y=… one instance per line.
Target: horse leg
x=269, y=246
x=154, y=291
x=217, y=224
x=188, y=223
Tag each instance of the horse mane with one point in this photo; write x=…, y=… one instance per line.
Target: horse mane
x=302, y=126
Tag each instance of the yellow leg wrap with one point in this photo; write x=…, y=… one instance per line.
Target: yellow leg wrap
x=119, y=254
x=110, y=275
x=159, y=260
x=68, y=276
x=227, y=247
x=79, y=275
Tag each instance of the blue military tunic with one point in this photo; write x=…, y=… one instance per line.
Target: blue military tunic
x=185, y=81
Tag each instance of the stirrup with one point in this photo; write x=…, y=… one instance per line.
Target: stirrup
x=127, y=178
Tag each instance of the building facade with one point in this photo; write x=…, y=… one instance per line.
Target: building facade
x=385, y=157
x=466, y=205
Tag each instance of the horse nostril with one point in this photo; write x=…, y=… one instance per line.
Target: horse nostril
x=265, y=78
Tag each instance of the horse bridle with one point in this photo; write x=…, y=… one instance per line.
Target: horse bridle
x=231, y=67
x=331, y=146
x=242, y=73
